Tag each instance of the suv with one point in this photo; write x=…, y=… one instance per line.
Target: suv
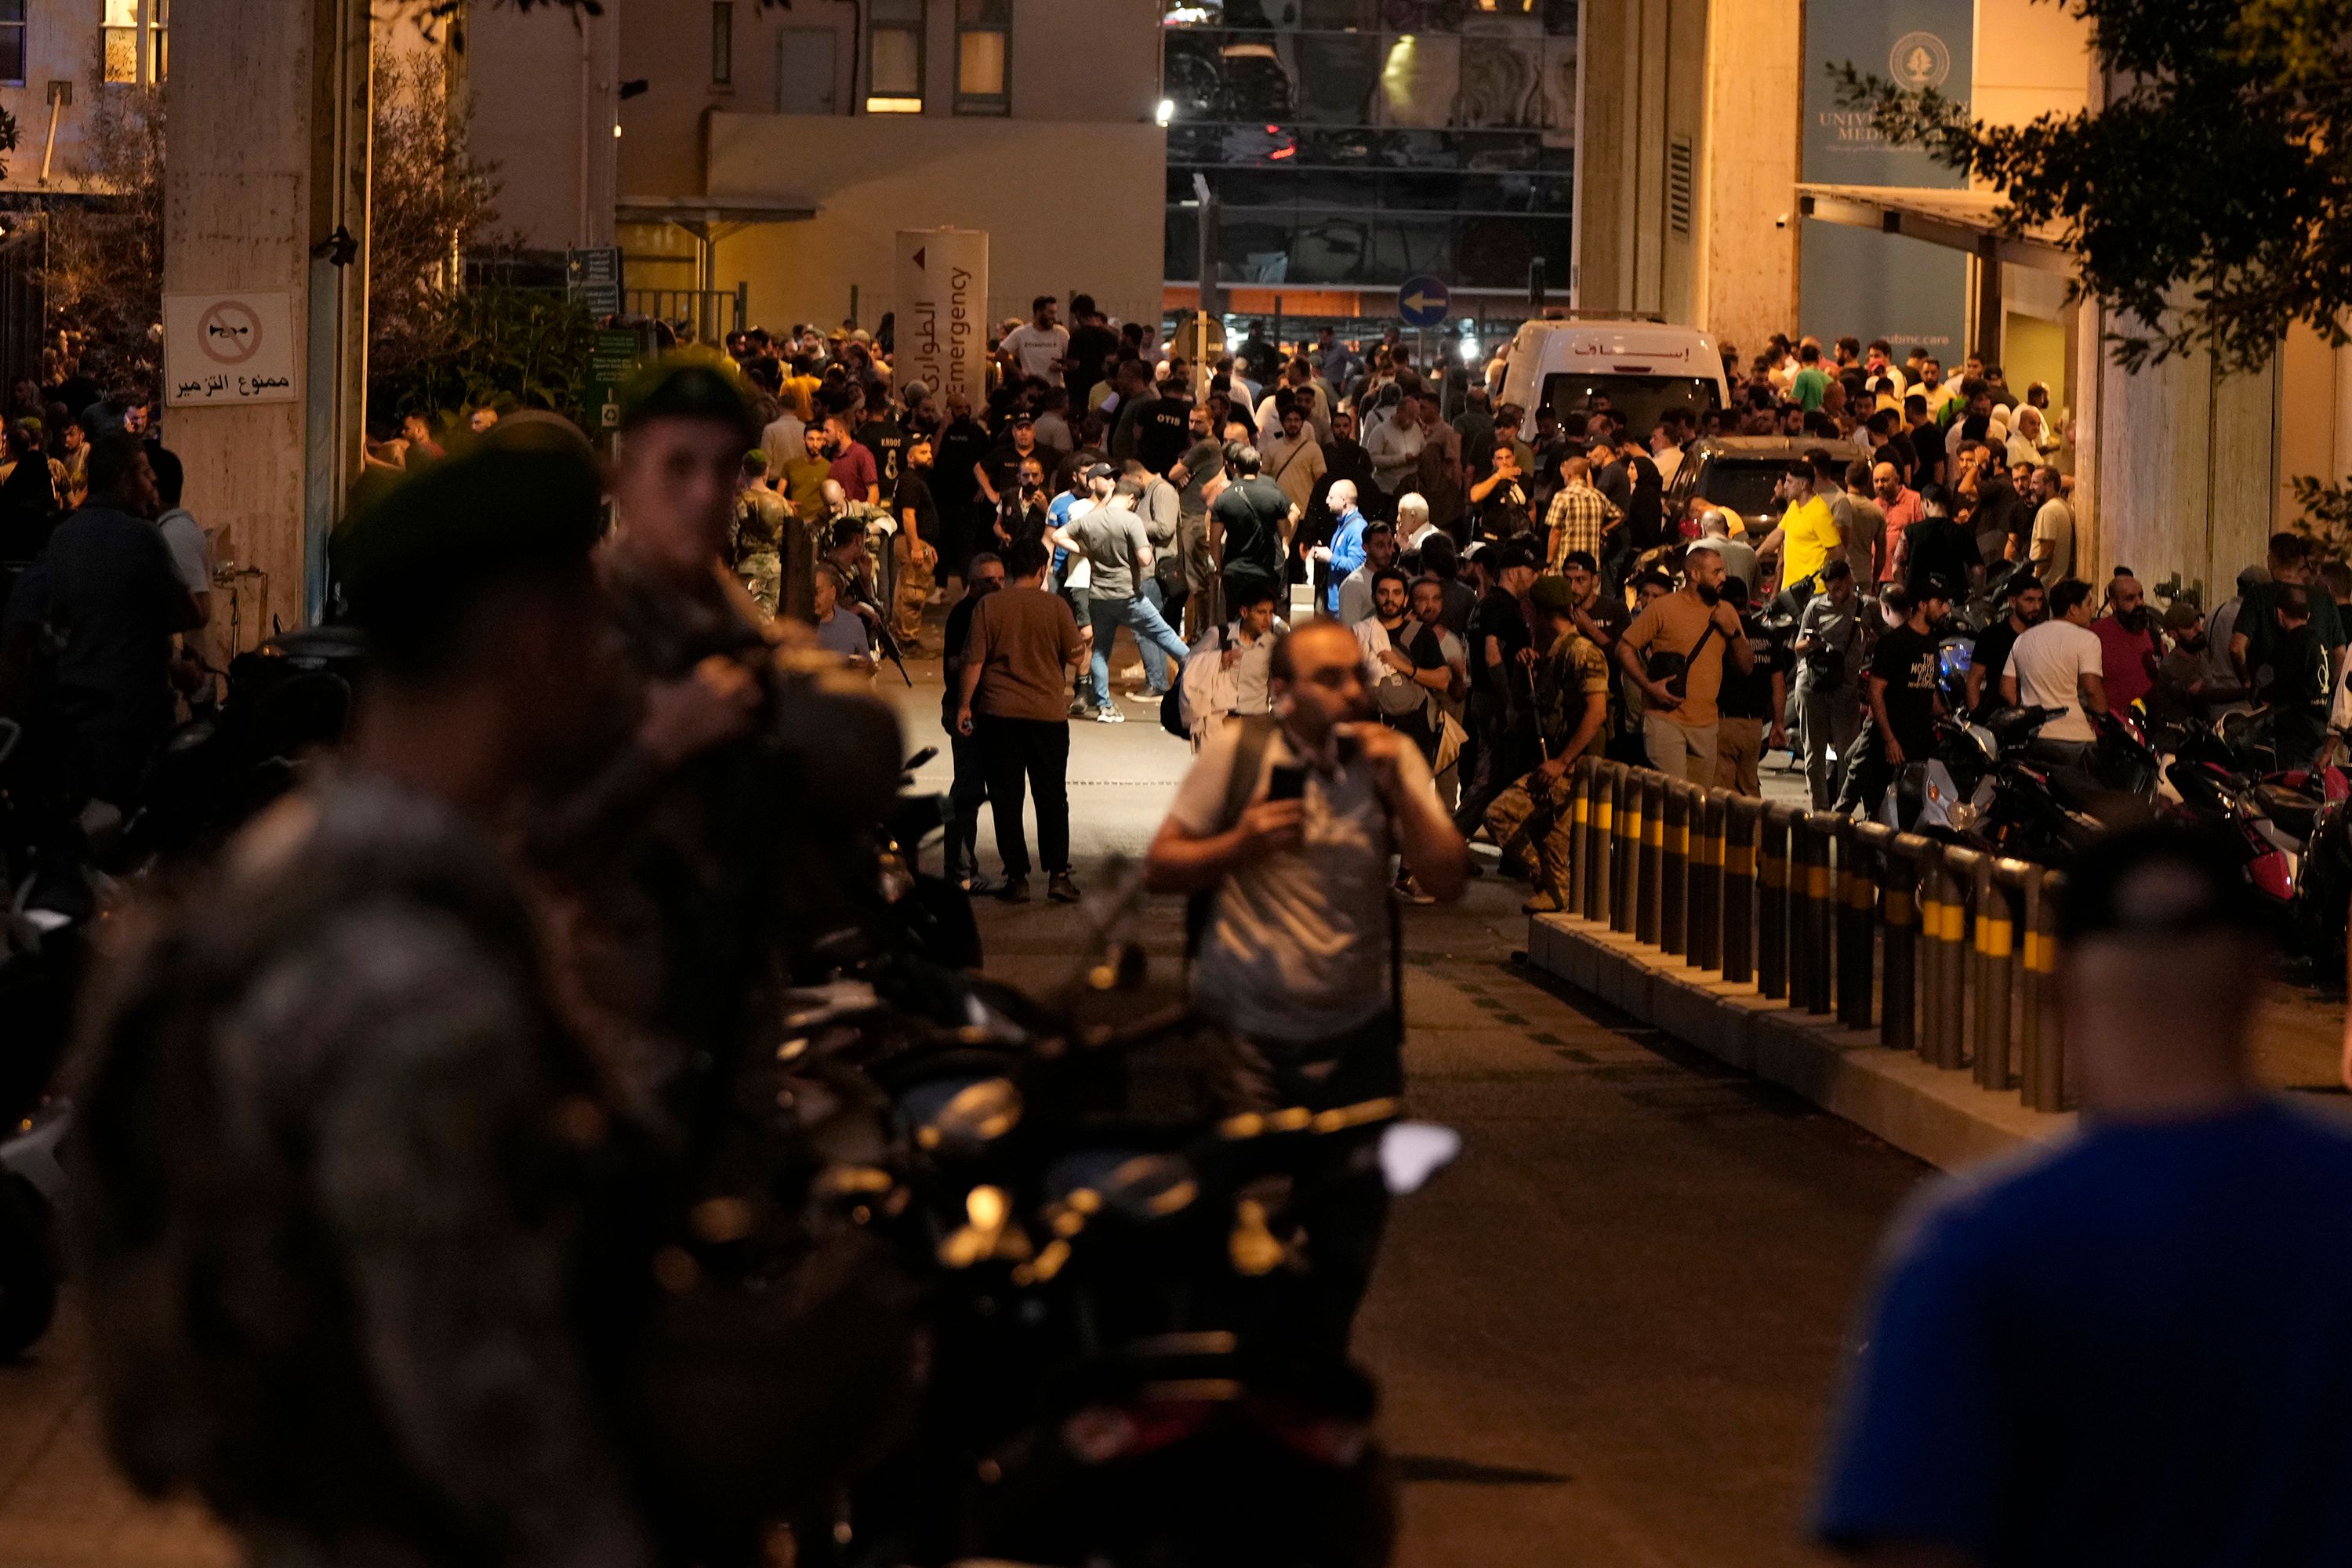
x=1738, y=474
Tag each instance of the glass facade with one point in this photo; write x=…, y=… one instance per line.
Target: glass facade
x=1355, y=143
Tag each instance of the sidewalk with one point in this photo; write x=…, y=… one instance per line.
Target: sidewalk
x=1939, y=1116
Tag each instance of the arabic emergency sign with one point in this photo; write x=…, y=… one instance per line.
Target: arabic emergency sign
x=227, y=349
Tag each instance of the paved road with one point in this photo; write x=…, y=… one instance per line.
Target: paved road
x=1606, y=1337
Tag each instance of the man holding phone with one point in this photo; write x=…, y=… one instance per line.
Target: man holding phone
x=1283, y=833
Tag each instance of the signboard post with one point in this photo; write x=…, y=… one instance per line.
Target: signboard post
x=942, y=325
x=228, y=349
x=1423, y=303
x=610, y=363
x=592, y=278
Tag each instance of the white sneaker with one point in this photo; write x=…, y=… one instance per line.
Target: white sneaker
x=1109, y=714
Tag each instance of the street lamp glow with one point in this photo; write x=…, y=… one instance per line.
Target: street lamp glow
x=1166, y=111
x=1469, y=350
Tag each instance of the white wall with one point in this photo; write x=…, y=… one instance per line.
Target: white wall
x=2031, y=60
x=542, y=87
x=872, y=175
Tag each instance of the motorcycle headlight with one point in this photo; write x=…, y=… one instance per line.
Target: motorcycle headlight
x=1963, y=816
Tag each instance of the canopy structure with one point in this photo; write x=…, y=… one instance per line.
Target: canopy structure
x=710, y=219
x=1957, y=220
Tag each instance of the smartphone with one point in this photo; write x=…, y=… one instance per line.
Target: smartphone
x=1287, y=783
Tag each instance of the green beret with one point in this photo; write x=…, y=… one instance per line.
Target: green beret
x=418, y=548
x=1552, y=595
x=689, y=385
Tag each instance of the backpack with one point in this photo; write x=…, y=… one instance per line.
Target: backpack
x=1257, y=733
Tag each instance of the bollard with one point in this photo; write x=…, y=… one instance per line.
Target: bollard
x=1804, y=852
x=1742, y=823
x=1706, y=913
x=1773, y=905
x=1954, y=870
x=1795, y=923
x=1899, y=915
x=1654, y=850
x=1673, y=868
x=1999, y=889
x=1931, y=937
x=1579, y=823
x=1819, y=911
x=1861, y=854
x=1625, y=851
x=1600, y=828
x=2042, y=1056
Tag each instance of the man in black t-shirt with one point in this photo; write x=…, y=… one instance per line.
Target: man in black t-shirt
x=916, y=549
x=1092, y=342
x=969, y=791
x=1937, y=548
x=883, y=436
x=1163, y=432
x=1991, y=656
x=1248, y=524
x=1501, y=709
x=1750, y=704
x=1902, y=694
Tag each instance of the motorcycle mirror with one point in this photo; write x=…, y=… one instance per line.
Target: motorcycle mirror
x=1412, y=1151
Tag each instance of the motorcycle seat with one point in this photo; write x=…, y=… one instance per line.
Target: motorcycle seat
x=2292, y=810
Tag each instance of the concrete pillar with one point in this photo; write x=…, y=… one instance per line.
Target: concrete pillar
x=271, y=109
x=1638, y=80
x=1745, y=243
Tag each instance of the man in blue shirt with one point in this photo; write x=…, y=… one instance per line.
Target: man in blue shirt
x=1346, y=548
x=2130, y=1349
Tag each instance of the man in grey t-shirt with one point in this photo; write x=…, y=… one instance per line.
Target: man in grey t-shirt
x=1295, y=953
x=1119, y=555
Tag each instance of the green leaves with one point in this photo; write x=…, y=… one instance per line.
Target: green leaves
x=517, y=348
x=2208, y=200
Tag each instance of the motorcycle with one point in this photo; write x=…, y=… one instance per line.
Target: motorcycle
x=1124, y=1366
x=55, y=895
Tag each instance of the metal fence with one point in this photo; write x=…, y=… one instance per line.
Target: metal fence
x=712, y=312
x=1947, y=952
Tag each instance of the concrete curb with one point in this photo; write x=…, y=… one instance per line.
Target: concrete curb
x=1942, y=1118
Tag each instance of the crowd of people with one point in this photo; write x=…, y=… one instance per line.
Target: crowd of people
x=107, y=583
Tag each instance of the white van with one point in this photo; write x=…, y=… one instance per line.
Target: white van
x=1643, y=368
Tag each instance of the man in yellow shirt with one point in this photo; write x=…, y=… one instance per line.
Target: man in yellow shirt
x=1808, y=538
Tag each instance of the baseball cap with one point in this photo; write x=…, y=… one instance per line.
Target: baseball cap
x=1102, y=472
x=690, y=385
x=1551, y=592
x=2180, y=615
x=1935, y=588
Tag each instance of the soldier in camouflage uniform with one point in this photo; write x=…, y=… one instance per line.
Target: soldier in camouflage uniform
x=760, y=519
x=1530, y=819
x=357, y=1213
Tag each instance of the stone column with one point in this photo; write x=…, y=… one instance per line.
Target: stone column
x=268, y=158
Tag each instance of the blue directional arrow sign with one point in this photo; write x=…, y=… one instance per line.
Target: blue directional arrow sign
x=1424, y=301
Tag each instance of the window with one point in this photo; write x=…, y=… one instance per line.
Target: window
x=125, y=61
x=12, y=41
x=722, y=43
x=894, y=52
x=983, y=55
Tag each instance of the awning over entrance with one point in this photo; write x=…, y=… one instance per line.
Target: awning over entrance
x=1957, y=220
x=709, y=219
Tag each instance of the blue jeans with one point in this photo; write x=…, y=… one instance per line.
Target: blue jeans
x=1151, y=635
